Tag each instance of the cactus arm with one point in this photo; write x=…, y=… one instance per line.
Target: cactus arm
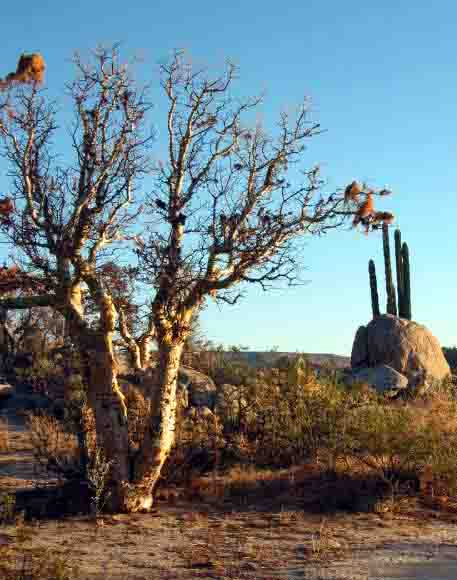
x=390, y=289
x=406, y=281
x=400, y=281
x=374, y=289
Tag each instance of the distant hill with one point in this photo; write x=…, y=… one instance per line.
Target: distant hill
x=264, y=358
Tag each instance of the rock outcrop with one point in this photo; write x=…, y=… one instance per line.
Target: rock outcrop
x=194, y=389
x=404, y=345
x=6, y=390
x=200, y=388
x=384, y=379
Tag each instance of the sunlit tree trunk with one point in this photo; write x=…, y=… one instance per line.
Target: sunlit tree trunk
x=160, y=436
x=135, y=355
x=7, y=341
x=107, y=402
x=104, y=395
x=145, y=354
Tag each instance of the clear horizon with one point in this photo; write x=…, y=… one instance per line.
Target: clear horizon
x=383, y=82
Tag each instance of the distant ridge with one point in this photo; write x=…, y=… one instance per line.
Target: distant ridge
x=267, y=358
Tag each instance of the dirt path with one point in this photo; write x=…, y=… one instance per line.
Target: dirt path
x=431, y=556
x=18, y=469
x=182, y=543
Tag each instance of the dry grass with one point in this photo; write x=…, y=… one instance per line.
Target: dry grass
x=4, y=436
x=19, y=560
x=324, y=545
x=56, y=450
x=250, y=520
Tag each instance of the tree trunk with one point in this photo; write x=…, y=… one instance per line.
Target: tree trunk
x=138, y=352
x=159, y=438
x=7, y=340
x=132, y=345
x=145, y=355
x=135, y=356
x=107, y=402
x=104, y=398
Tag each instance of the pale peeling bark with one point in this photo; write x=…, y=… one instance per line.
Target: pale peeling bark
x=160, y=437
x=137, y=347
x=109, y=404
x=104, y=395
x=7, y=341
x=144, y=343
x=145, y=354
x=110, y=417
x=133, y=347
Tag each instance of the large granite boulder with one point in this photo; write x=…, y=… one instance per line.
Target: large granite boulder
x=200, y=388
x=359, y=355
x=194, y=389
x=6, y=391
x=383, y=379
x=404, y=345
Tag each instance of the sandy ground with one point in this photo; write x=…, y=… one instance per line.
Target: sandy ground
x=201, y=540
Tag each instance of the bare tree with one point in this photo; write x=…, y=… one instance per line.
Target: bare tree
x=70, y=218
x=228, y=205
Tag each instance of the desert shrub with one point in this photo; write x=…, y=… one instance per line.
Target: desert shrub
x=138, y=408
x=436, y=419
x=42, y=377
x=296, y=423
x=199, y=446
x=71, y=454
x=386, y=439
x=7, y=508
x=351, y=432
x=399, y=440
x=97, y=476
x=267, y=425
x=278, y=425
x=233, y=372
x=264, y=425
x=4, y=437
x=445, y=389
x=56, y=449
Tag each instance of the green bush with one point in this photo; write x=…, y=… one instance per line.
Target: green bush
x=279, y=426
x=386, y=439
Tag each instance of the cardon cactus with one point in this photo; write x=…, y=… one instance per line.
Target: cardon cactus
x=400, y=281
x=390, y=289
x=374, y=289
x=406, y=282
x=403, y=278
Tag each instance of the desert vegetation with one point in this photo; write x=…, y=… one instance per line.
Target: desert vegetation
x=223, y=214
x=287, y=447
x=260, y=424
x=123, y=405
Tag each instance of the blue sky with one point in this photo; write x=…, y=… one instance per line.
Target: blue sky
x=383, y=80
